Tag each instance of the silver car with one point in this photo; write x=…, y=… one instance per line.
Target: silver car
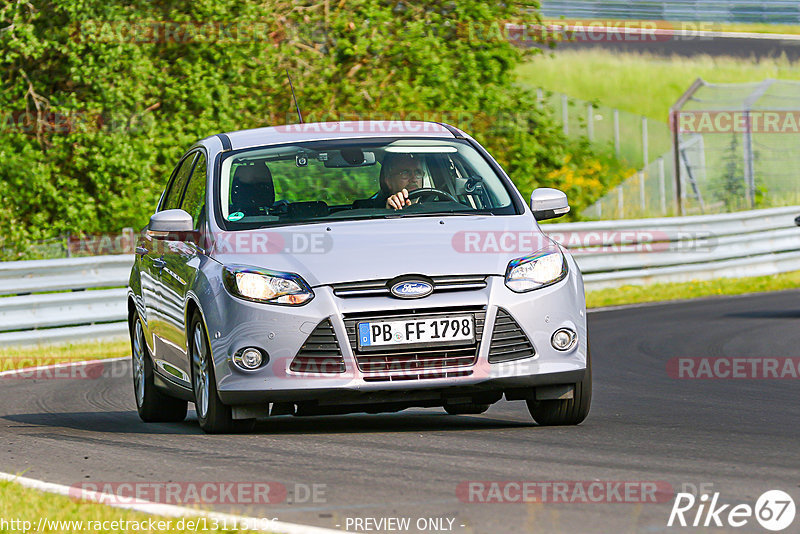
x=330, y=268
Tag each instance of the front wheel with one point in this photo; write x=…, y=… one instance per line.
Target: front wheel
x=152, y=405
x=569, y=411
x=214, y=416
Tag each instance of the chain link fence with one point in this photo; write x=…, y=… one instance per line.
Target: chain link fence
x=739, y=146
x=639, y=142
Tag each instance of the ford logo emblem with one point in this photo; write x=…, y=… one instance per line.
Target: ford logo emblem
x=411, y=289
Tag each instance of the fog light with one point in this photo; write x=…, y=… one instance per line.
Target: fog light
x=248, y=359
x=563, y=339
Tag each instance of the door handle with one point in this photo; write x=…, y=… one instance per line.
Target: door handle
x=159, y=263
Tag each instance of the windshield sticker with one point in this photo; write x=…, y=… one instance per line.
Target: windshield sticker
x=235, y=216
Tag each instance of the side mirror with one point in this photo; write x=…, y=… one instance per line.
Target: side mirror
x=547, y=203
x=164, y=222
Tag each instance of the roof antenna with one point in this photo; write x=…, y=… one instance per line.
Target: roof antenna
x=296, y=105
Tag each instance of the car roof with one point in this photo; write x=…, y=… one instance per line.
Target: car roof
x=323, y=131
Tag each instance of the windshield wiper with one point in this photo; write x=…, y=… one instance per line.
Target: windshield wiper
x=440, y=213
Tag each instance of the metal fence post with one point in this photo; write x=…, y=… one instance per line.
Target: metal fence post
x=642, y=196
x=749, y=178
x=662, y=186
x=539, y=97
x=620, y=203
x=645, y=148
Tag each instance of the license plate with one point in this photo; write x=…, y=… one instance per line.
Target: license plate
x=456, y=329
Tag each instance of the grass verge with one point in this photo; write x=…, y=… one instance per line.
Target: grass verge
x=685, y=291
x=32, y=356
x=615, y=79
x=20, y=504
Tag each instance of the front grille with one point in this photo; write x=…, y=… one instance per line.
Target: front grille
x=411, y=361
x=396, y=378
x=320, y=353
x=509, y=342
x=380, y=288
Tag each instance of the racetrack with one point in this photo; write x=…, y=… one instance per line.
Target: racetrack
x=744, y=48
x=739, y=435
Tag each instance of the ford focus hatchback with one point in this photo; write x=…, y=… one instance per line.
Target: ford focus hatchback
x=332, y=268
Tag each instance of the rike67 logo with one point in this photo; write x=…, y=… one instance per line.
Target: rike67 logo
x=774, y=510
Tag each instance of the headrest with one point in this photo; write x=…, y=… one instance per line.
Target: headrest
x=252, y=190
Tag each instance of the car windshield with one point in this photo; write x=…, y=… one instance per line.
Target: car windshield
x=352, y=179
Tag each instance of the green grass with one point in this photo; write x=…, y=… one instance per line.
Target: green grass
x=641, y=83
x=20, y=503
x=30, y=356
x=683, y=291
x=745, y=27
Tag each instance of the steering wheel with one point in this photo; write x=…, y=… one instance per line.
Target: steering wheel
x=424, y=192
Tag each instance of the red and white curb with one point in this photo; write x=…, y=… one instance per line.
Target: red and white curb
x=167, y=510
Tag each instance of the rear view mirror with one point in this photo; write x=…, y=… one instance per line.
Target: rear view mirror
x=547, y=203
x=168, y=221
x=347, y=157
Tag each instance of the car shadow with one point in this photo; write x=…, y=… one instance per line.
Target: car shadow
x=128, y=422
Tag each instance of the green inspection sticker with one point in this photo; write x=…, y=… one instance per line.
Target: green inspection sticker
x=235, y=216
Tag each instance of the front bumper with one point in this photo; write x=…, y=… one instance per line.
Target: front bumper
x=281, y=331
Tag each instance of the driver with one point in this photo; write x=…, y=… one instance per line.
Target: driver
x=400, y=173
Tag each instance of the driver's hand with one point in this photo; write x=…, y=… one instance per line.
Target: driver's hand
x=398, y=201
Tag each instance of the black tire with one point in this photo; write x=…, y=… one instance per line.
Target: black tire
x=153, y=405
x=466, y=409
x=566, y=412
x=214, y=416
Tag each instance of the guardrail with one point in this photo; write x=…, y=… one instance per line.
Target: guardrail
x=84, y=298
x=772, y=11
x=680, y=249
x=68, y=299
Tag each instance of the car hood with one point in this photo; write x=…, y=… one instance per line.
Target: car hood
x=346, y=251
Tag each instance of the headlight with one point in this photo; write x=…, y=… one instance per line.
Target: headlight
x=260, y=285
x=541, y=269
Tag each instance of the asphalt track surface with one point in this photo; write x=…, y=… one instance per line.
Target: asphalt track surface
x=753, y=49
x=742, y=436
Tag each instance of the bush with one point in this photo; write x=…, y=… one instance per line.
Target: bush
x=100, y=99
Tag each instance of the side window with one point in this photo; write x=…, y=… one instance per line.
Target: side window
x=173, y=197
x=195, y=196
